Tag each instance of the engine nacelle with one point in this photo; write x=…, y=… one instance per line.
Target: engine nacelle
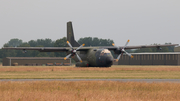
x=117, y=51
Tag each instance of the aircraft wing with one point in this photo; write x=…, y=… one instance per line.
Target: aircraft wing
x=48, y=49
x=41, y=49
x=65, y=49
x=138, y=47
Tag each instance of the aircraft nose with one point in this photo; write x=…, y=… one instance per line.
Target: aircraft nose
x=109, y=60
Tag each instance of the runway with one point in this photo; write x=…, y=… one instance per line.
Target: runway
x=120, y=80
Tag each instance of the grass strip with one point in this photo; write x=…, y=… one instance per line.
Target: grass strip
x=115, y=72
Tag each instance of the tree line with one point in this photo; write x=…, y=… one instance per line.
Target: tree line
x=88, y=41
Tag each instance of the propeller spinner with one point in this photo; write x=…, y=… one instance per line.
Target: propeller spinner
x=74, y=51
x=121, y=51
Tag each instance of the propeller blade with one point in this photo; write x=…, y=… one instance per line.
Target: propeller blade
x=128, y=54
x=78, y=57
x=122, y=50
x=67, y=56
x=118, y=57
x=126, y=44
x=73, y=51
x=80, y=46
x=69, y=44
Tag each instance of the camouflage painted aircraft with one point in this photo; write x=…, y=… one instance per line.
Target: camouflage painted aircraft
x=89, y=56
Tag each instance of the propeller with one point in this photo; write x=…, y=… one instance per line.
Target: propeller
x=73, y=51
x=121, y=51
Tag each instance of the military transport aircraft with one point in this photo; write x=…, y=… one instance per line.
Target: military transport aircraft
x=88, y=56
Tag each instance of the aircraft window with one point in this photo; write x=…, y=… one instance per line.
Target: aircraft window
x=107, y=54
x=105, y=51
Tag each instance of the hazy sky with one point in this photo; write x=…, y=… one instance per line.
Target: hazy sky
x=144, y=22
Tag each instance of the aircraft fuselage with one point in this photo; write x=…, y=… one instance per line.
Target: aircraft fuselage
x=95, y=58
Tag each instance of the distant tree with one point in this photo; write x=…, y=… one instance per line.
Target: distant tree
x=60, y=43
x=34, y=53
x=95, y=41
x=8, y=53
x=24, y=44
x=88, y=41
x=45, y=42
x=6, y=45
x=14, y=42
x=42, y=54
x=32, y=43
x=106, y=42
x=51, y=54
x=41, y=42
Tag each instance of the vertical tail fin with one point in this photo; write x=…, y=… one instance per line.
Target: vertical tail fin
x=70, y=35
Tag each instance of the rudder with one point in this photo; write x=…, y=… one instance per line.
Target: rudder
x=70, y=35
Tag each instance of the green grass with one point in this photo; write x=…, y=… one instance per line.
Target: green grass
x=69, y=72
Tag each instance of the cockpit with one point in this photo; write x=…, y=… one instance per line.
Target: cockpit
x=105, y=52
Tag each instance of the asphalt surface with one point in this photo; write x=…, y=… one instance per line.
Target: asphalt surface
x=120, y=80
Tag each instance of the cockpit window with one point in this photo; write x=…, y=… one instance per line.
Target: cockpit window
x=108, y=54
x=105, y=52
